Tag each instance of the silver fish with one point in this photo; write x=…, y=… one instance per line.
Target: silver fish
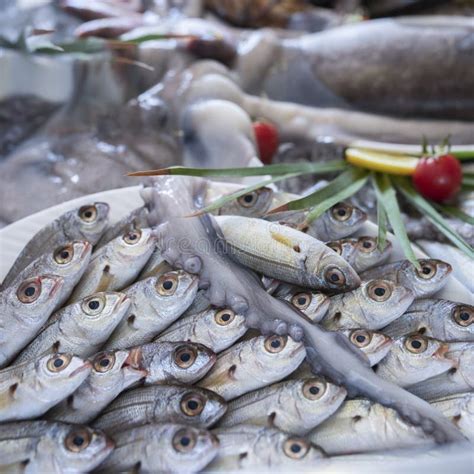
x=162, y=448
x=24, y=308
x=363, y=426
x=312, y=303
x=361, y=253
x=459, y=379
x=155, y=303
x=31, y=389
x=286, y=254
x=413, y=359
x=112, y=372
x=253, y=204
x=338, y=222
x=117, y=264
x=217, y=329
x=155, y=266
x=174, y=362
x=253, y=364
x=424, y=282
x=294, y=406
x=86, y=223
x=460, y=409
x=53, y=447
x=255, y=449
x=441, y=319
x=373, y=344
x=80, y=328
x=373, y=305
x=162, y=404
x=68, y=261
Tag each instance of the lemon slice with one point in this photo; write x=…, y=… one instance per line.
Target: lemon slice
x=380, y=161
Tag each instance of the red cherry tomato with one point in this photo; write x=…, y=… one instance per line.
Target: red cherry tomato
x=267, y=139
x=438, y=177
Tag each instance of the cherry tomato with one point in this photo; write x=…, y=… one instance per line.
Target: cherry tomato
x=267, y=139
x=438, y=177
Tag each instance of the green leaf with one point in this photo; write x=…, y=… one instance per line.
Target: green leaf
x=218, y=203
x=455, y=212
x=387, y=198
x=381, y=220
x=468, y=180
x=433, y=216
x=279, y=169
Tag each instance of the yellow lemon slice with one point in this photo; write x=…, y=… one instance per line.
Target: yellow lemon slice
x=380, y=161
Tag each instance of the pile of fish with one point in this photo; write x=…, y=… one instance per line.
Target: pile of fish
x=121, y=350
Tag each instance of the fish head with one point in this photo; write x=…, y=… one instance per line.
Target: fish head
x=312, y=303
x=334, y=272
x=188, y=447
x=135, y=243
x=461, y=321
x=342, y=220
x=61, y=371
x=279, y=351
x=189, y=362
x=369, y=254
x=70, y=258
x=317, y=393
x=430, y=278
x=253, y=204
x=373, y=344
x=202, y=407
x=90, y=221
x=225, y=323
x=33, y=296
x=80, y=448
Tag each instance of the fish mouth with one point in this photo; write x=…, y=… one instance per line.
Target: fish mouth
x=215, y=440
x=123, y=299
x=86, y=249
x=441, y=353
x=134, y=359
x=86, y=365
x=57, y=285
x=109, y=443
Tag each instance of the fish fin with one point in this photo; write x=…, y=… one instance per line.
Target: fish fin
x=282, y=239
x=131, y=320
x=8, y=395
x=55, y=346
x=105, y=281
x=271, y=420
x=231, y=371
x=12, y=389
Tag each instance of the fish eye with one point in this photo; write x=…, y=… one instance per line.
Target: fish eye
x=367, y=244
x=336, y=246
x=64, y=254
x=88, y=213
x=416, y=344
x=334, y=276
x=295, y=448
x=275, y=344
x=103, y=362
x=463, y=315
x=29, y=291
x=379, y=290
x=192, y=404
x=313, y=389
x=341, y=212
x=427, y=270
x=184, y=440
x=301, y=300
x=167, y=284
x=185, y=356
x=132, y=237
x=93, y=305
x=58, y=362
x=248, y=200
x=78, y=440
x=360, y=337
x=224, y=317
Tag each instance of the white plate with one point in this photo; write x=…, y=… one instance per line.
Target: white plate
x=14, y=237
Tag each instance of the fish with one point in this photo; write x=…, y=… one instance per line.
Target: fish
x=458, y=379
x=258, y=449
x=338, y=222
x=116, y=265
x=414, y=358
x=53, y=447
x=162, y=448
x=362, y=425
x=253, y=364
x=293, y=406
x=81, y=328
x=85, y=223
x=460, y=409
x=375, y=345
x=313, y=304
x=174, y=362
x=285, y=254
x=253, y=204
x=216, y=328
x=112, y=372
x=431, y=277
x=373, y=305
x=442, y=319
x=361, y=253
x=29, y=390
x=156, y=302
x=68, y=261
x=155, y=266
x=24, y=308
x=161, y=404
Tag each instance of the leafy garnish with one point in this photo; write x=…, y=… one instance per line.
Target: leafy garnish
x=381, y=220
